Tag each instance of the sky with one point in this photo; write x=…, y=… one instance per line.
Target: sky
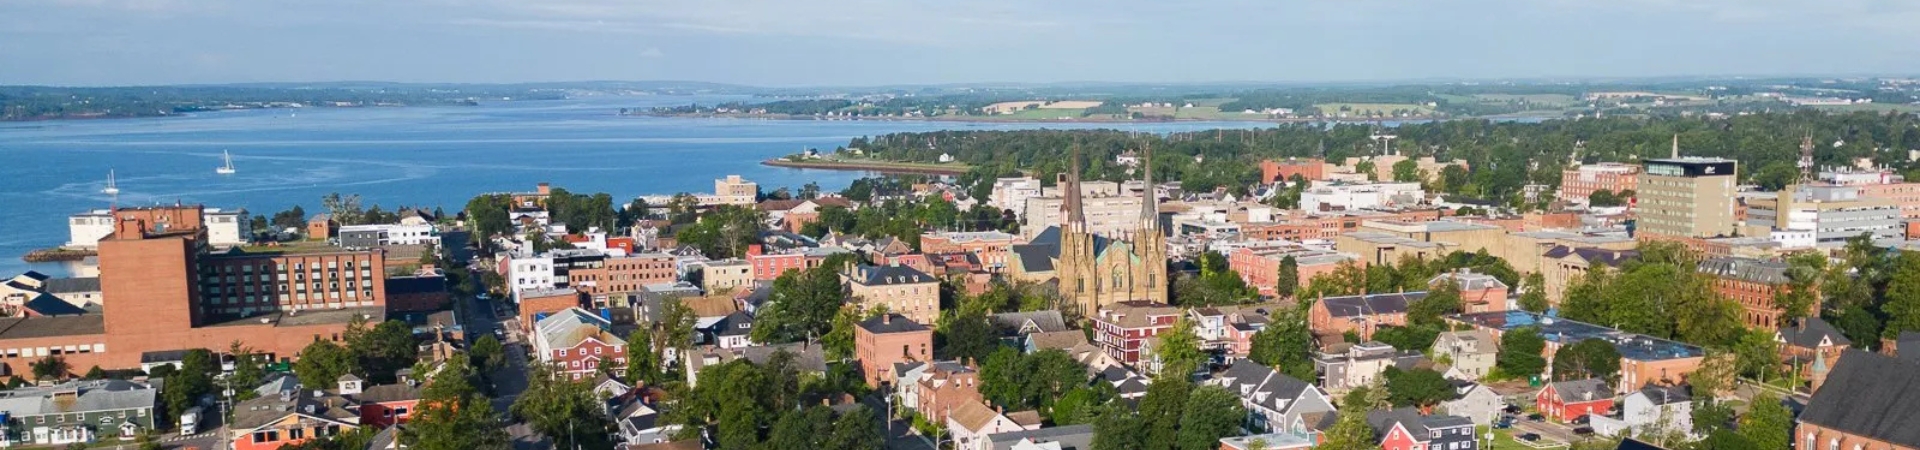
x=875, y=42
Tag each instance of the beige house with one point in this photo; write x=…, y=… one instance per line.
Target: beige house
x=904, y=290
x=1470, y=352
x=725, y=275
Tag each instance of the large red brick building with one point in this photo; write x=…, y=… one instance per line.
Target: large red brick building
x=991, y=247
x=1124, y=328
x=1753, y=284
x=172, y=293
x=882, y=341
x=1260, y=266
x=1578, y=183
x=1309, y=168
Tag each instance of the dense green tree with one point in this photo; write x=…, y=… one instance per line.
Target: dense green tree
x=1520, y=352
x=1161, y=409
x=488, y=215
x=1418, y=387
x=95, y=373
x=1351, y=431
x=725, y=232
x=566, y=411
x=1442, y=300
x=1535, y=297
x=1768, y=424
x=1902, y=304
x=1590, y=358
x=1286, y=344
x=249, y=369
x=1604, y=198
x=839, y=338
x=802, y=306
x=1805, y=273
x=1711, y=415
x=322, y=363
x=801, y=429
x=1406, y=171
x=1179, y=351
x=1288, y=280
x=966, y=336
x=488, y=355
x=1756, y=355
x=194, y=380
x=1117, y=428
x=643, y=361
x=857, y=430
x=1415, y=337
x=452, y=415
x=51, y=368
x=383, y=350
x=1212, y=412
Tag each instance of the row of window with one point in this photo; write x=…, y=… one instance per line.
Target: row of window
x=294, y=434
x=286, y=299
x=82, y=417
x=36, y=352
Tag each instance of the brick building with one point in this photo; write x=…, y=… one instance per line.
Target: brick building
x=1866, y=402
x=576, y=343
x=1577, y=183
x=158, y=267
x=539, y=303
x=945, y=387
x=1644, y=359
x=1123, y=329
x=1753, y=284
x=883, y=341
x=1260, y=266
x=991, y=247
x=1361, y=314
x=1309, y=168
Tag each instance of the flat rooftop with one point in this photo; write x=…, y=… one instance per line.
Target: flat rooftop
x=1376, y=237
x=1632, y=346
x=300, y=318
x=39, y=327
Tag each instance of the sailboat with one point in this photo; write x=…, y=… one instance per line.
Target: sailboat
x=111, y=188
x=228, y=168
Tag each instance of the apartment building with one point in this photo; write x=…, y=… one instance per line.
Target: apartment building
x=1687, y=197
x=1340, y=196
x=904, y=290
x=1123, y=329
x=1753, y=284
x=1107, y=216
x=1260, y=266
x=732, y=190
x=1311, y=169
x=990, y=247
x=1577, y=183
x=1012, y=194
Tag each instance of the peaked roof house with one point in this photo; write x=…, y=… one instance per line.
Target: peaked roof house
x=1651, y=410
x=577, y=342
x=1868, y=401
x=1807, y=337
x=1274, y=401
x=1016, y=325
x=1406, y=429
x=973, y=421
x=77, y=411
x=1571, y=399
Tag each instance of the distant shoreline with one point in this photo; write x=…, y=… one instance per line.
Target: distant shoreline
x=873, y=166
x=992, y=119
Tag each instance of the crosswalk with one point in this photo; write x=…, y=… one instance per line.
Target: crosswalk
x=187, y=437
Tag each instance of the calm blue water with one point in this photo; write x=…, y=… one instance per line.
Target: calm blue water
x=432, y=156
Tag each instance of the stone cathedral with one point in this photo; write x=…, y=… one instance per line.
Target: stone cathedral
x=1094, y=271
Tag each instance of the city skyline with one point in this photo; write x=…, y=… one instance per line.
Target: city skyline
x=813, y=43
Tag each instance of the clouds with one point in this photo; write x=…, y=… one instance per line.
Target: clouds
x=842, y=42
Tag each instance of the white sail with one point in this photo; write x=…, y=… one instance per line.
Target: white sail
x=227, y=168
x=111, y=189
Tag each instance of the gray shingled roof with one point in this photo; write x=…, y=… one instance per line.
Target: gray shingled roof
x=1594, y=254
x=1371, y=304
x=1028, y=322
x=891, y=323
x=1582, y=390
x=96, y=395
x=1808, y=332
x=1746, y=269
x=1870, y=395
x=890, y=275
x=70, y=285
x=1070, y=437
x=1259, y=378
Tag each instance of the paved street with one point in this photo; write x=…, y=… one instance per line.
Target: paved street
x=899, y=433
x=1556, y=433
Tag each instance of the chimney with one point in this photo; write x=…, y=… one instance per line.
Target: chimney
x=543, y=188
x=886, y=319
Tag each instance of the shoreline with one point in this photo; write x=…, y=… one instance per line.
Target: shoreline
x=875, y=166
x=991, y=120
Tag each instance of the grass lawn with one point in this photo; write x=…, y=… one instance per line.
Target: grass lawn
x=1041, y=114
x=1503, y=440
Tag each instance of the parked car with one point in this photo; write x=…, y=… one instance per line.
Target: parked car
x=1583, y=420
x=1536, y=417
x=1583, y=431
x=1529, y=437
x=1504, y=422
